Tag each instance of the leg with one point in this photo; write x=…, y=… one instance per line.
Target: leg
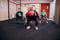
x=36, y=21
x=23, y=18
x=40, y=19
x=28, y=26
x=46, y=20
x=17, y=19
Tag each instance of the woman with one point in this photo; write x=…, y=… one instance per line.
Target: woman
x=32, y=15
x=44, y=15
x=19, y=15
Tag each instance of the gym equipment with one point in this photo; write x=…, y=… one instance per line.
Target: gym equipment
x=19, y=14
x=30, y=13
x=43, y=14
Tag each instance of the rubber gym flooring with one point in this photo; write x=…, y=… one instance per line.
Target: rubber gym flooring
x=12, y=31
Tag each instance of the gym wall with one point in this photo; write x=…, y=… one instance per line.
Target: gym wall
x=59, y=16
x=12, y=10
x=17, y=6
x=57, y=12
x=3, y=10
x=52, y=11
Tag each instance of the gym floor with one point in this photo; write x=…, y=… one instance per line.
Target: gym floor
x=12, y=31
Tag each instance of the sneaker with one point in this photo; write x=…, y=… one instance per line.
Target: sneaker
x=39, y=21
x=36, y=28
x=25, y=21
x=28, y=27
x=46, y=21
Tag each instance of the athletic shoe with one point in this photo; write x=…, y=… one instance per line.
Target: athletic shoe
x=36, y=28
x=39, y=21
x=46, y=21
x=28, y=27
